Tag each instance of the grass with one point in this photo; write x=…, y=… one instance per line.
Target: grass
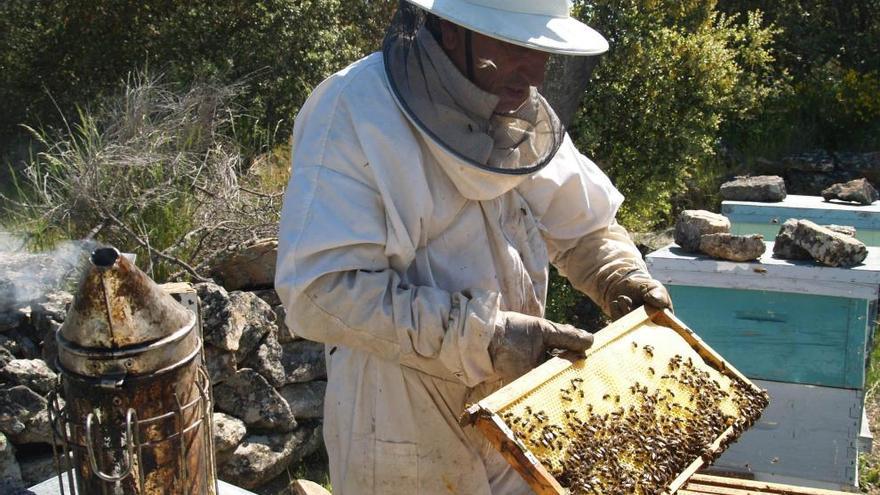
x=869, y=462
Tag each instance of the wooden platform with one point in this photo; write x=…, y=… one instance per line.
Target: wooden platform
x=701, y=484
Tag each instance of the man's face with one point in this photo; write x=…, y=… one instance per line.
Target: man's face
x=503, y=69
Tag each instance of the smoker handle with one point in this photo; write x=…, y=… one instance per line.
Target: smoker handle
x=131, y=433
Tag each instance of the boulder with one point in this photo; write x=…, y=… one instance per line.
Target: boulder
x=266, y=360
x=248, y=396
x=10, y=473
x=306, y=400
x=37, y=468
x=733, y=247
x=303, y=361
x=261, y=457
x=785, y=248
x=24, y=415
x=765, y=188
x=694, y=224
x=251, y=267
x=228, y=434
x=306, y=487
x=235, y=321
x=221, y=364
x=32, y=373
x=829, y=247
x=860, y=191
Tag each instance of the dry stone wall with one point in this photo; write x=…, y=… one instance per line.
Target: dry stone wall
x=268, y=385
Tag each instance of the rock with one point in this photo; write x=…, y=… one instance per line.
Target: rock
x=306, y=400
x=306, y=487
x=252, y=267
x=259, y=458
x=733, y=247
x=865, y=165
x=48, y=314
x=271, y=298
x=5, y=356
x=248, y=396
x=785, y=248
x=235, y=321
x=19, y=345
x=228, y=433
x=860, y=191
x=32, y=373
x=266, y=360
x=766, y=188
x=693, y=224
x=24, y=415
x=10, y=473
x=221, y=364
x=829, y=247
x=303, y=361
x=648, y=242
x=814, y=161
x=36, y=469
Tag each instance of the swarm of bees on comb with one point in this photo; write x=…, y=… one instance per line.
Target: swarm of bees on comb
x=640, y=441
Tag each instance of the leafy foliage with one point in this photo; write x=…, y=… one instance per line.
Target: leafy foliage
x=55, y=55
x=677, y=73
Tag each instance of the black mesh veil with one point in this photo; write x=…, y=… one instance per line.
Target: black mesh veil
x=417, y=72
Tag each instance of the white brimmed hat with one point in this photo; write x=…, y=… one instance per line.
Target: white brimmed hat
x=544, y=25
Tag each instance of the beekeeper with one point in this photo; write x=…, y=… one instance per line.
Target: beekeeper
x=431, y=187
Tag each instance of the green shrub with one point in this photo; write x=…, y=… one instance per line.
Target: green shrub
x=830, y=53
x=676, y=74
x=57, y=54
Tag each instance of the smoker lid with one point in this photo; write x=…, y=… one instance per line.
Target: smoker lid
x=117, y=306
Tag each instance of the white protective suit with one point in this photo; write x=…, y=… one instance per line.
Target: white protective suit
x=398, y=256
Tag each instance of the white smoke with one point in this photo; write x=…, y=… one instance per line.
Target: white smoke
x=27, y=276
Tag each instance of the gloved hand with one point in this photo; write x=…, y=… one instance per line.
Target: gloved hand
x=634, y=290
x=520, y=341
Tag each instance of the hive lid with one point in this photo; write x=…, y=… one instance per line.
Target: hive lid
x=118, y=306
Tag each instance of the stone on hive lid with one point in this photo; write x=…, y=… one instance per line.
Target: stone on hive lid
x=785, y=248
x=694, y=224
x=827, y=246
x=860, y=191
x=765, y=188
x=733, y=247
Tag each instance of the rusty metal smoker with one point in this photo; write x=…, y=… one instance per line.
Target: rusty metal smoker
x=132, y=410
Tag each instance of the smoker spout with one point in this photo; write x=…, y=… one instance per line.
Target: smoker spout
x=121, y=322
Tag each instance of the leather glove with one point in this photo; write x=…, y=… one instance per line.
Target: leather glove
x=635, y=290
x=520, y=341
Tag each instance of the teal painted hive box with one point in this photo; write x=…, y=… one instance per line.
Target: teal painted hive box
x=749, y=217
x=779, y=320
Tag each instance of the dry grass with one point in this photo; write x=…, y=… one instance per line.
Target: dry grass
x=151, y=171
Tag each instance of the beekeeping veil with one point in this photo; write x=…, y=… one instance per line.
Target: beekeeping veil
x=455, y=114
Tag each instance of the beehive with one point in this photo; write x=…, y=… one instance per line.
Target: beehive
x=647, y=406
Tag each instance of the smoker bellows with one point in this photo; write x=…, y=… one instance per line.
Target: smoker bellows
x=132, y=410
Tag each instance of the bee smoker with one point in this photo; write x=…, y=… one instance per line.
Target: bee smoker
x=132, y=410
